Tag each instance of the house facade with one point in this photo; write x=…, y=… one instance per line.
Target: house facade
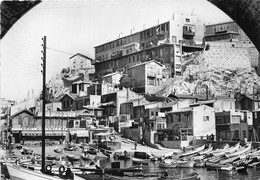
x=145, y=76
x=231, y=126
x=59, y=125
x=80, y=61
x=186, y=125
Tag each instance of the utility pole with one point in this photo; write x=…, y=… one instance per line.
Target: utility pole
x=43, y=101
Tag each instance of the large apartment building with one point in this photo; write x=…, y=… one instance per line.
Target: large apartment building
x=164, y=42
x=229, y=47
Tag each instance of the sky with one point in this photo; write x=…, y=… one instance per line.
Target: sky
x=77, y=27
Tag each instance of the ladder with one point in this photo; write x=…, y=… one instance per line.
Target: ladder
x=254, y=137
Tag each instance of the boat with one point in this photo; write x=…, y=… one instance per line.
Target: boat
x=20, y=173
x=141, y=157
x=206, y=151
x=200, y=163
x=191, y=152
x=121, y=156
x=58, y=150
x=240, y=151
x=185, y=164
x=161, y=175
x=168, y=164
x=227, y=150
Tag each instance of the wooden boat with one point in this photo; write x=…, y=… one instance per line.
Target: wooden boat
x=141, y=157
x=19, y=173
x=200, y=163
x=121, y=156
x=188, y=153
x=240, y=151
x=229, y=160
x=58, y=150
x=224, y=167
x=185, y=164
x=139, y=160
x=154, y=176
x=205, y=151
x=168, y=164
x=242, y=168
x=227, y=150
x=50, y=157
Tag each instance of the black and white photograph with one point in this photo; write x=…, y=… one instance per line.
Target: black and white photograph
x=130, y=89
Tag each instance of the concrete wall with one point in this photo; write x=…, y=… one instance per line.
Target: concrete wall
x=202, y=127
x=230, y=55
x=132, y=133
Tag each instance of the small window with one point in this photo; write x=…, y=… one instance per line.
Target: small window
x=236, y=135
x=205, y=118
x=152, y=113
x=244, y=133
x=187, y=20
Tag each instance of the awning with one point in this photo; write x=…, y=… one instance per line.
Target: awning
x=31, y=133
x=108, y=104
x=80, y=132
x=103, y=134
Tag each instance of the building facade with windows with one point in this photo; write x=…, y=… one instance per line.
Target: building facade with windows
x=230, y=47
x=80, y=61
x=182, y=31
x=145, y=76
x=231, y=125
x=186, y=125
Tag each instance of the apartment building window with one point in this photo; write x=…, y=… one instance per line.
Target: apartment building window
x=167, y=27
x=133, y=58
x=129, y=59
x=244, y=133
x=137, y=57
x=151, y=81
x=205, y=118
x=236, y=135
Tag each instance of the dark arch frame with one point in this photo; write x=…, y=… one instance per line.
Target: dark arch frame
x=246, y=14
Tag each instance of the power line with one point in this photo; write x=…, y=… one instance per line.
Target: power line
x=59, y=51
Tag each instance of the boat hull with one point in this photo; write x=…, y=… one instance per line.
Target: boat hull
x=19, y=173
x=138, y=160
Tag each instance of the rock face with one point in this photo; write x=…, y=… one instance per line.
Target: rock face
x=60, y=83
x=198, y=77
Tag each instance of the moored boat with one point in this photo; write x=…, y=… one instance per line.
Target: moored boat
x=191, y=152
x=185, y=164
x=19, y=173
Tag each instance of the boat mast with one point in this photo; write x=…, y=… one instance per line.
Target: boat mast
x=43, y=101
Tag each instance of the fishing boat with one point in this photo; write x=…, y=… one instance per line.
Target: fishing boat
x=168, y=164
x=121, y=155
x=191, y=152
x=141, y=157
x=206, y=151
x=58, y=150
x=240, y=151
x=20, y=173
x=161, y=175
x=185, y=164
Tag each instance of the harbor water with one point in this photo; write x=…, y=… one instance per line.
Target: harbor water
x=204, y=174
